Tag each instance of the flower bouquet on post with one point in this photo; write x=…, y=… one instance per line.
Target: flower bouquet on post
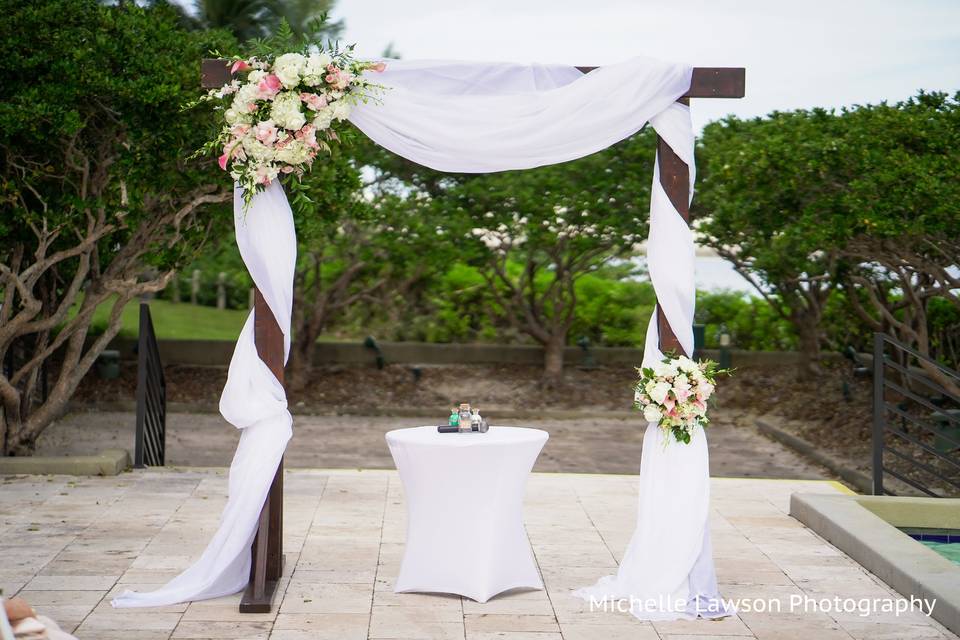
x=674, y=392
x=281, y=110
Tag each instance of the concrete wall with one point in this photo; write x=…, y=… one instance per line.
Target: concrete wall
x=218, y=353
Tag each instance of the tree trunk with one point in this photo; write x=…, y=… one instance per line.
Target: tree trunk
x=298, y=370
x=808, y=333
x=553, y=358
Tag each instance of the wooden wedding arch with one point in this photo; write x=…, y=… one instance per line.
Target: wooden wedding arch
x=267, y=550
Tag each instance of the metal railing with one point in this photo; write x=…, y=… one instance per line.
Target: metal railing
x=916, y=421
x=150, y=446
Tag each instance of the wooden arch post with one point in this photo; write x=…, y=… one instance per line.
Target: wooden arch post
x=267, y=551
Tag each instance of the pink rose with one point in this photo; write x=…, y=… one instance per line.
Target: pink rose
x=239, y=130
x=232, y=148
x=269, y=86
x=263, y=176
x=265, y=132
x=308, y=134
x=314, y=101
x=239, y=65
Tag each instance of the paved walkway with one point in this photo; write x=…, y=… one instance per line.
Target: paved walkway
x=591, y=445
x=67, y=545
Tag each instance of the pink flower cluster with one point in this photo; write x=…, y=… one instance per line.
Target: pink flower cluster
x=280, y=113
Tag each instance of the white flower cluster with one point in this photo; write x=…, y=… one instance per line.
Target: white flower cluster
x=674, y=393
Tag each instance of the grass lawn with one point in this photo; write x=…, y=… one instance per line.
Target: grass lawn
x=179, y=321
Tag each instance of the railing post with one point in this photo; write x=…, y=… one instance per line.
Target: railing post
x=879, y=413
x=142, y=347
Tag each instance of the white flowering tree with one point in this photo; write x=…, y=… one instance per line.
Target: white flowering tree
x=534, y=233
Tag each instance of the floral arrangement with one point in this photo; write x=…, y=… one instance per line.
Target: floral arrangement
x=280, y=111
x=674, y=393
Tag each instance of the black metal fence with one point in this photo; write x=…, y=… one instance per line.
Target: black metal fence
x=150, y=446
x=916, y=421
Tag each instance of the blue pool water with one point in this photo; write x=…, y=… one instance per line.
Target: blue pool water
x=946, y=542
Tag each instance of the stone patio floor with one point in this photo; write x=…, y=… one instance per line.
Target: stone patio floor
x=69, y=544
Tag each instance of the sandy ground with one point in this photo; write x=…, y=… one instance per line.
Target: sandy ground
x=592, y=445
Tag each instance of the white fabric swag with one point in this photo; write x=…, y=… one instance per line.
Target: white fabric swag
x=476, y=118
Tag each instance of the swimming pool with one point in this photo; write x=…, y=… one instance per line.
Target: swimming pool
x=946, y=542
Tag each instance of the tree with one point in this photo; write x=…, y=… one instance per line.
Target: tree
x=766, y=186
x=863, y=199
x=534, y=233
x=249, y=19
x=99, y=203
x=901, y=232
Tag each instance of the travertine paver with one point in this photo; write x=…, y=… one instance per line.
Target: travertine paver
x=69, y=544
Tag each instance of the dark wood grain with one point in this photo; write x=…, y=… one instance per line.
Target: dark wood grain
x=267, y=549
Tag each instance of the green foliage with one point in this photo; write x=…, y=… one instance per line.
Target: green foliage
x=97, y=85
x=751, y=322
x=863, y=199
x=251, y=19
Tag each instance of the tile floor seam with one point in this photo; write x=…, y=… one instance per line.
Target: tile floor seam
x=376, y=572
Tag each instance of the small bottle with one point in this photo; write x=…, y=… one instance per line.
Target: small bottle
x=454, y=418
x=475, y=420
x=465, y=417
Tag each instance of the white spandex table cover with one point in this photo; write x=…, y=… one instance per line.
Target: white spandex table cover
x=479, y=117
x=464, y=495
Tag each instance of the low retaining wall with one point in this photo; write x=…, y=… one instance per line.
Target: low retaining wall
x=218, y=353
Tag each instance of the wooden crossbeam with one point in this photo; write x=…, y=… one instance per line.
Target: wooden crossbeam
x=707, y=82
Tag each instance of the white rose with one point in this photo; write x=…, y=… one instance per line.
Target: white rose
x=681, y=383
x=686, y=364
x=661, y=369
x=231, y=116
x=256, y=76
x=659, y=392
x=286, y=111
x=289, y=67
x=652, y=414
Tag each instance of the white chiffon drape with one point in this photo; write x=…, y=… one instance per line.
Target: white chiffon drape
x=483, y=117
x=254, y=401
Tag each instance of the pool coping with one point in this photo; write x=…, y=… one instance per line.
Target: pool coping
x=853, y=525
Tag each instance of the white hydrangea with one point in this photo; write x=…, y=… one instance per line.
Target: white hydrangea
x=286, y=111
x=233, y=116
x=342, y=109
x=294, y=152
x=258, y=151
x=323, y=118
x=315, y=68
x=245, y=95
x=289, y=68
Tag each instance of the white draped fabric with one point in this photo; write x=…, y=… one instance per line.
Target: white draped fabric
x=253, y=400
x=481, y=117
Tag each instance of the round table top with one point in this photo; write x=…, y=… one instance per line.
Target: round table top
x=496, y=435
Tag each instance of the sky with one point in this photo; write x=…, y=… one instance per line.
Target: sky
x=798, y=54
